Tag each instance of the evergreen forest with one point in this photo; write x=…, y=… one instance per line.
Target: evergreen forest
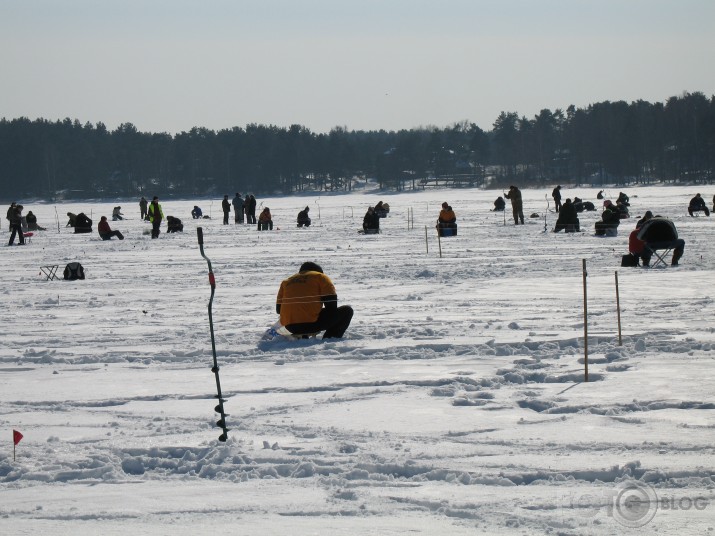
x=605, y=143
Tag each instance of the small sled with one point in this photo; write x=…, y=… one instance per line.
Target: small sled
x=277, y=332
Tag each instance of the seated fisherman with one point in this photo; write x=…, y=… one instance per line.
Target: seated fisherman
x=499, y=204
x=697, y=204
x=660, y=233
x=72, y=219
x=447, y=218
x=303, y=218
x=308, y=303
x=196, y=213
x=82, y=223
x=610, y=218
x=622, y=210
x=568, y=218
x=174, y=225
x=265, y=220
x=106, y=232
x=371, y=221
x=32, y=222
x=623, y=198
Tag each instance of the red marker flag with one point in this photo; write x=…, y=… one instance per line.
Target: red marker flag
x=16, y=436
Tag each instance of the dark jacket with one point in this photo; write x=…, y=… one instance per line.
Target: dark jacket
x=697, y=203
x=237, y=204
x=82, y=220
x=658, y=230
x=371, y=220
x=15, y=216
x=514, y=195
x=303, y=216
x=567, y=214
x=611, y=217
x=226, y=205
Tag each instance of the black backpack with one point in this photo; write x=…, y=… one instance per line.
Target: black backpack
x=73, y=271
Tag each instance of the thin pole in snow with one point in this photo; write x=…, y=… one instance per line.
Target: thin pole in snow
x=426, y=241
x=618, y=309
x=585, y=323
x=439, y=241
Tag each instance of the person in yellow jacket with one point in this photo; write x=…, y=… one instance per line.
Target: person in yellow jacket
x=155, y=216
x=308, y=303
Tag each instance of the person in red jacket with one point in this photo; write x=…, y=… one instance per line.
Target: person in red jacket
x=106, y=232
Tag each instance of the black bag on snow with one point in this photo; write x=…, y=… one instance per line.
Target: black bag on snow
x=629, y=260
x=73, y=271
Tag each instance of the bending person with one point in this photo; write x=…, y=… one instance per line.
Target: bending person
x=697, y=204
x=308, y=303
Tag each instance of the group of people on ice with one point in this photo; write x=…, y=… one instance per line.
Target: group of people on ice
x=371, y=220
x=244, y=209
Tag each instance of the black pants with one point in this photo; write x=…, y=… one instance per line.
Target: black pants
x=558, y=204
x=155, y=229
x=225, y=218
x=334, y=323
x=16, y=229
x=108, y=236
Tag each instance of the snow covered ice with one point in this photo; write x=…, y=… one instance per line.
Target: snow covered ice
x=454, y=405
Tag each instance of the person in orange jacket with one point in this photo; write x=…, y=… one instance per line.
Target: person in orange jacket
x=308, y=303
x=447, y=218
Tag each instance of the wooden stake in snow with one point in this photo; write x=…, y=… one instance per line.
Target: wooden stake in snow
x=618, y=309
x=439, y=241
x=585, y=323
x=426, y=242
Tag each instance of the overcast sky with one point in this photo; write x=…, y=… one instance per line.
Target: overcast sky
x=169, y=65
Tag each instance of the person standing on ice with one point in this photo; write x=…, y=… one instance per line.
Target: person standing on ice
x=155, y=215
x=517, y=206
x=226, y=206
x=237, y=208
x=250, y=209
x=556, y=194
x=15, y=217
x=143, y=207
x=308, y=303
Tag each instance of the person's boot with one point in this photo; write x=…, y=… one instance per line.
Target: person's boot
x=676, y=258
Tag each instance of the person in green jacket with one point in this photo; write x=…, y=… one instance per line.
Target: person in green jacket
x=155, y=217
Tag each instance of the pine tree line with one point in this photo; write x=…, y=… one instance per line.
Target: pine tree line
x=607, y=142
